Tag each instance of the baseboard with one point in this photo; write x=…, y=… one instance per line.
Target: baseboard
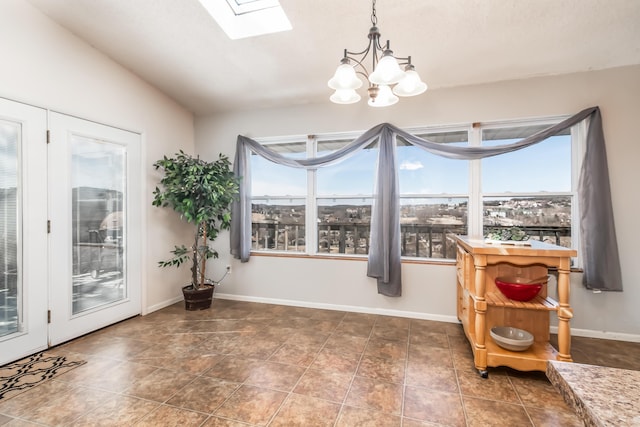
x=336, y=307
x=604, y=335
x=161, y=305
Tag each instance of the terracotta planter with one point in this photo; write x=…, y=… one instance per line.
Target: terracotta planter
x=197, y=299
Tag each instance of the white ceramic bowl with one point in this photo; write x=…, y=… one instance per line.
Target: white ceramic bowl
x=510, y=338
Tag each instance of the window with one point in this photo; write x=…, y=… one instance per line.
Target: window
x=344, y=197
x=434, y=196
x=530, y=189
x=328, y=210
x=278, y=207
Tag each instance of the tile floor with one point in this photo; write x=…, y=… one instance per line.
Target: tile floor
x=246, y=364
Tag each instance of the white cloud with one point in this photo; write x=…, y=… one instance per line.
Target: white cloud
x=411, y=166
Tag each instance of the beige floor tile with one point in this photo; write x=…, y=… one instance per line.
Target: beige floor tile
x=168, y=416
x=246, y=364
x=223, y=422
x=426, y=337
x=233, y=368
x=483, y=413
x=496, y=387
x=375, y=394
x=346, y=343
x=434, y=406
x=203, y=394
x=119, y=377
x=334, y=360
x=325, y=385
x=350, y=417
x=305, y=411
x=553, y=417
x=390, y=332
x=252, y=405
x=119, y=411
x=33, y=398
x=296, y=354
x=68, y=406
x=275, y=376
x=428, y=355
x=432, y=377
x=354, y=328
x=334, y=315
x=160, y=385
x=391, y=349
x=381, y=368
x=21, y=423
x=255, y=348
x=536, y=391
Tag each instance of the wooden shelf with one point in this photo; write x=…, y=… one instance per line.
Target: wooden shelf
x=538, y=303
x=533, y=359
x=481, y=305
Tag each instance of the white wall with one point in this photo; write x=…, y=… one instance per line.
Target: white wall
x=429, y=290
x=45, y=65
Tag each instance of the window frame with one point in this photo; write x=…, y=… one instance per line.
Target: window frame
x=475, y=194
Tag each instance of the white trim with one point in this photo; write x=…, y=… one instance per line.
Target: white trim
x=161, y=305
x=345, y=308
x=605, y=335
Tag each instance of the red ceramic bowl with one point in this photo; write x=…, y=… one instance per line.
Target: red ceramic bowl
x=518, y=288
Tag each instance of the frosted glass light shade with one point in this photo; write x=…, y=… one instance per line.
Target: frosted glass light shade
x=387, y=71
x=411, y=85
x=345, y=78
x=384, y=98
x=345, y=96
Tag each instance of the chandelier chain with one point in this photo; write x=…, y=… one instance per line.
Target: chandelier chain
x=374, y=18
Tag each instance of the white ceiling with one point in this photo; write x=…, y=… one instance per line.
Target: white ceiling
x=177, y=46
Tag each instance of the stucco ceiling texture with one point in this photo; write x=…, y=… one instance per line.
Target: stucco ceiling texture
x=177, y=46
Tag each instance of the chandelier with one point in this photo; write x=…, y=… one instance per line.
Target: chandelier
x=385, y=73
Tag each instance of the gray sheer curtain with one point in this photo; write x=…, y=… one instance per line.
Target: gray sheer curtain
x=599, y=245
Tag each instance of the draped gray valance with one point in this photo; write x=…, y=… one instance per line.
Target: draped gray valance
x=598, y=238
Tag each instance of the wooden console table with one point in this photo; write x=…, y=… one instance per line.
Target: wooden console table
x=482, y=306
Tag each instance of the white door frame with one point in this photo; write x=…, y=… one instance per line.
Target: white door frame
x=64, y=324
x=32, y=219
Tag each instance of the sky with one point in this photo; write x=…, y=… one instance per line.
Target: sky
x=542, y=167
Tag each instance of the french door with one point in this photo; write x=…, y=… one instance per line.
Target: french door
x=95, y=222
x=23, y=233
x=70, y=220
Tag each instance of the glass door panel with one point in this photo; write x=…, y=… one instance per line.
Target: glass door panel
x=10, y=292
x=95, y=211
x=98, y=195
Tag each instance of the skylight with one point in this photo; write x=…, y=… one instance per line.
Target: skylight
x=248, y=18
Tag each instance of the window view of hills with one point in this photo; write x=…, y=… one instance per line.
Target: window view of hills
x=344, y=228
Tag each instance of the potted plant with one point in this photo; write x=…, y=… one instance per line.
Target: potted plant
x=201, y=192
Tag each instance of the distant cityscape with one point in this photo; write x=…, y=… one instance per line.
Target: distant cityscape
x=530, y=211
x=344, y=228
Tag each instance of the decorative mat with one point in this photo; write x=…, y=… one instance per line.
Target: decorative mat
x=20, y=376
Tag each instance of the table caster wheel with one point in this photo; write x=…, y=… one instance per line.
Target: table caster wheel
x=483, y=373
